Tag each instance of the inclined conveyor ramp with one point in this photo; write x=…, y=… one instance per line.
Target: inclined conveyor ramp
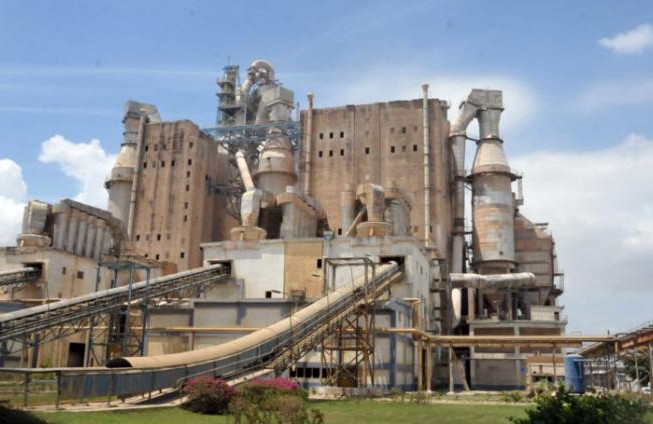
x=15, y=277
x=274, y=347
x=21, y=324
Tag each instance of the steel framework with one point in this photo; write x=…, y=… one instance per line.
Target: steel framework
x=248, y=139
x=29, y=327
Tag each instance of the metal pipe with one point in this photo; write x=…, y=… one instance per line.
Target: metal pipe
x=244, y=171
x=355, y=222
x=309, y=142
x=427, y=165
x=457, y=138
x=493, y=281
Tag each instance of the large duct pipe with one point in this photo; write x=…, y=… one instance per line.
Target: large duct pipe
x=309, y=143
x=520, y=280
x=347, y=205
x=427, y=165
x=244, y=171
x=457, y=138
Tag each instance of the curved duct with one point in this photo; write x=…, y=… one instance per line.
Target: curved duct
x=493, y=207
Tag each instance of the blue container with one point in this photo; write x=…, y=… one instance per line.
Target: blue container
x=574, y=374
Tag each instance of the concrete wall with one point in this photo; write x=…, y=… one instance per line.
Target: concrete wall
x=175, y=208
x=382, y=143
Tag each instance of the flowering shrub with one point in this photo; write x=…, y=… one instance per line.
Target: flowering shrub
x=273, y=400
x=279, y=383
x=208, y=395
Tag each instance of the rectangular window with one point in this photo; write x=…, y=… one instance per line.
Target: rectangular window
x=163, y=164
x=187, y=187
x=330, y=153
x=138, y=237
x=185, y=205
x=403, y=148
x=319, y=154
x=144, y=165
x=339, y=231
x=190, y=161
x=147, y=147
x=157, y=256
x=172, y=163
x=331, y=135
x=342, y=152
x=342, y=134
x=321, y=136
x=414, y=147
x=190, y=145
x=80, y=274
x=319, y=264
x=182, y=254
x=392, y=149
x=63, y=270
x=185, y=218
x=187, y=174
x=403, y=130
x=367, y=150
x=158, y=237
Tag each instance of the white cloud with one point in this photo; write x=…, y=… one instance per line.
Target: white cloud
x=633, y=41
x=616, y=93
x=88, y=163
x=387, y=83
x=600, y=206
x=12, y=201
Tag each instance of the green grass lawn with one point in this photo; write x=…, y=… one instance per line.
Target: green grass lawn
x=340, y=412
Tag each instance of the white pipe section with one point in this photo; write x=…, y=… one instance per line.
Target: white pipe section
x=355, y=222
x=244, y=171
x=427, y=165
x=457, y=138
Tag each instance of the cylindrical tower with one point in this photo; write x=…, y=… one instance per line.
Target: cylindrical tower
x=493, y=206
x=119, y=184
x=276, y=166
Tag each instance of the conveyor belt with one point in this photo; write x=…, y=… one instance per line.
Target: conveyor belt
x=19, y=276
x=24, y=322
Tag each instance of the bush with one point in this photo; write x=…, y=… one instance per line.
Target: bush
x=275, y=400
x=208, y=395
x=16, y=416
x=566, y=408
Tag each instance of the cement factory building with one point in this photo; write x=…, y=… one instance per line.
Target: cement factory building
x=295, y=211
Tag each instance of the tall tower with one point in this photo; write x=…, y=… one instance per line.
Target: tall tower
x=120, y=184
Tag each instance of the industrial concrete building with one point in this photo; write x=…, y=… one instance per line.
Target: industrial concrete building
x=296, y=210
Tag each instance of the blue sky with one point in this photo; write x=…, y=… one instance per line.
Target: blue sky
x=577, y=80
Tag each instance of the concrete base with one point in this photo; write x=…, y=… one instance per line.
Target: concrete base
x=33, y=240
x=374, y=229
x=247, y=233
